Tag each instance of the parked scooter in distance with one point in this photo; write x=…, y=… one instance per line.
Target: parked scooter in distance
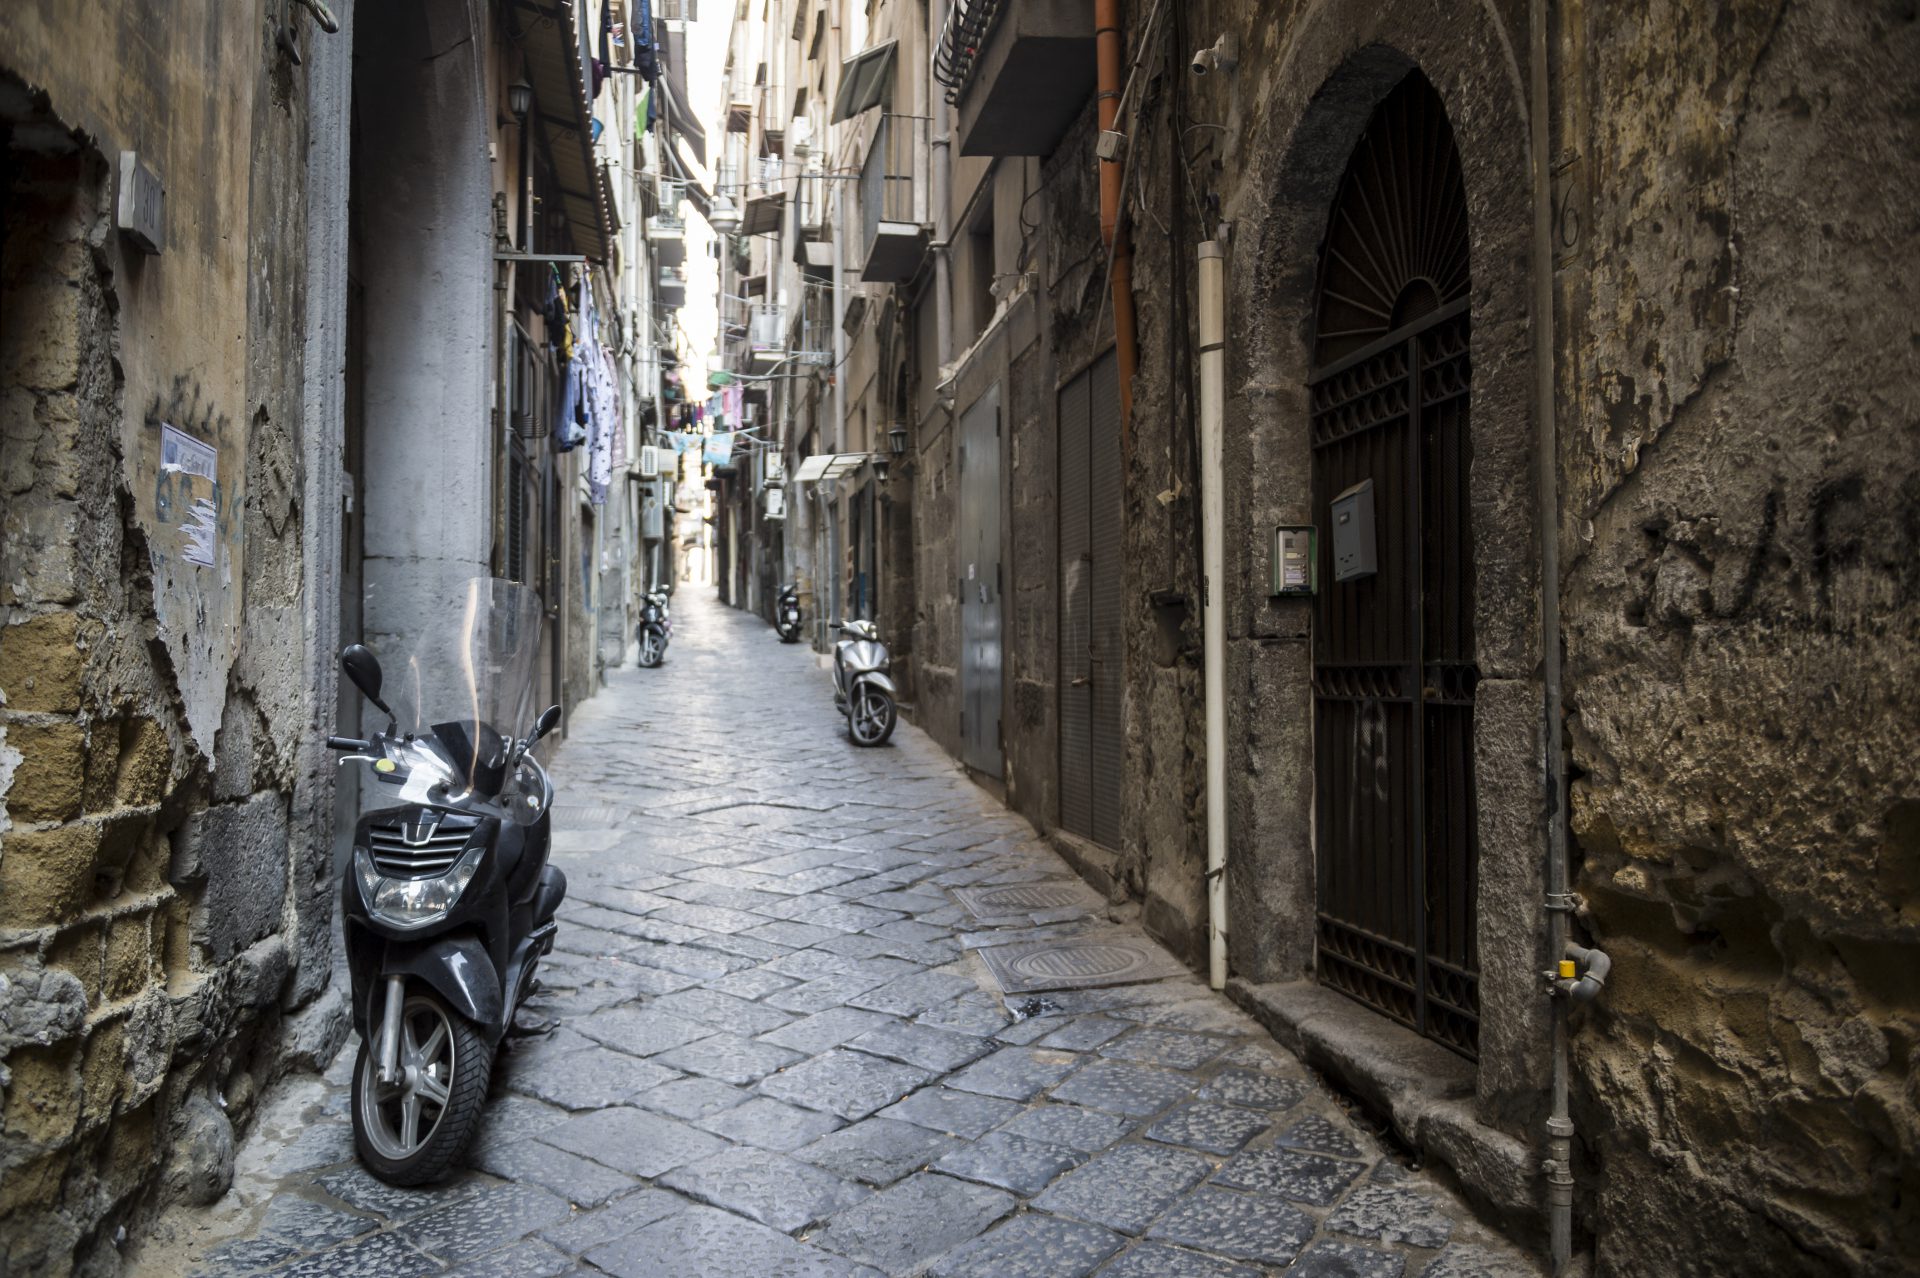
x=786, y=613
x=862, y=688
x=449, y=902
x=656, y=627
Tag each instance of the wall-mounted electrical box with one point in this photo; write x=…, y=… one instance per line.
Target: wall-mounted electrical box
x=141, y=214
x=1352, y=521
x=1295, y=568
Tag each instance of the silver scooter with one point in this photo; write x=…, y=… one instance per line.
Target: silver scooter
x=862, y=689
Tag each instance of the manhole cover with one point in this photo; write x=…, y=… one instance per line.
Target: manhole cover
x=1016, y=900
x=1077, y=963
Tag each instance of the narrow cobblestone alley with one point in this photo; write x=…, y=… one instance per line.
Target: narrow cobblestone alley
x=779, y=1053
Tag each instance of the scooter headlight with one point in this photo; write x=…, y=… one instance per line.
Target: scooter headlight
x=413, y=903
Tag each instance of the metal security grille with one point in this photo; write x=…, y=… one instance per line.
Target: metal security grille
x=1394, y=671
x=980, y=584
x=1090, y=634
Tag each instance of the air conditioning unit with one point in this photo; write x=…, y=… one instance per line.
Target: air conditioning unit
x=649, y=461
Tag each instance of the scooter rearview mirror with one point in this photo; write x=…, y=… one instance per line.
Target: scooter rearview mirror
x=362, y=667
x=549, y=720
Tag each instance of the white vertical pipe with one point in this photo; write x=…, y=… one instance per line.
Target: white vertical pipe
x=1213, y=357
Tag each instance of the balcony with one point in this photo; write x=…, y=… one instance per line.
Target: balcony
x=893, y=200
x=667, y=222
x=671, y=290
x=766, y=335
x=1017, y=74
x=814, y=345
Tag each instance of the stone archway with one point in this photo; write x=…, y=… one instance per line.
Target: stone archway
x=1346, y=60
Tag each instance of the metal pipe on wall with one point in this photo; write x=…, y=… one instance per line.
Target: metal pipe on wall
x=1107, y=46
x=1212, y=323
x=1559, y=902
x=942, y=183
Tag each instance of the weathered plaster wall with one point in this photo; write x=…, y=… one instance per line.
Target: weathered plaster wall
x=162, y=911
x=1741, y=467
x=423, y=216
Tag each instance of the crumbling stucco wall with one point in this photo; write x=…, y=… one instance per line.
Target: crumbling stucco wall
x=163, y=906
x=1741, y=470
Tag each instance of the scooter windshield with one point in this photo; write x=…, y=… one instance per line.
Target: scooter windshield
x=470, y=678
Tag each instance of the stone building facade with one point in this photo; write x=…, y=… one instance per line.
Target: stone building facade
x=256, y=280
x=1672, y=349
x=165, y=870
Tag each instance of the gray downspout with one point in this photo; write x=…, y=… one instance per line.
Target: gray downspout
x=1559, y=1163
x=942, y=183
x=323, y=429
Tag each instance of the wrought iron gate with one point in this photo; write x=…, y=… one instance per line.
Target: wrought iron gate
x=1394, y=665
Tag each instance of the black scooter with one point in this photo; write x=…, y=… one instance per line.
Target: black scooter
x=449, y=906
x=656, y=628
x=786, y=613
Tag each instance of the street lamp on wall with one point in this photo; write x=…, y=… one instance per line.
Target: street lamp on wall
x=724, y=215
x=897, y=440
x=520, y=99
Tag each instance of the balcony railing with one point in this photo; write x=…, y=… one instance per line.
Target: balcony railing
x=893, y=199
x=667, y=222
x=767, y=333
x=957, y=55
x=1018, y=74
x=815, y=344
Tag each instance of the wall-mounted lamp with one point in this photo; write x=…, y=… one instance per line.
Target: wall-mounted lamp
x=897, y=440
x=723, y=215
x=880, y=461
x=520, y=99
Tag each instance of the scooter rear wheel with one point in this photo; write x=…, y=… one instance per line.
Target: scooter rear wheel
x=411, y=1133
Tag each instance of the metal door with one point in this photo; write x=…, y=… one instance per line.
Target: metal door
x=1091, y=671
x=1076, y=611
x=1103, y=636
x=1394, y=671
x=980, y=584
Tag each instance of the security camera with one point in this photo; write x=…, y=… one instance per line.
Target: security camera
x=1217, y=56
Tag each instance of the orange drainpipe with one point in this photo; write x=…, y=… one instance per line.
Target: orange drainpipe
x=1107, y=44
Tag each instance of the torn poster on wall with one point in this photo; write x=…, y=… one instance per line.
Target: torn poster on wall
x=194, y=468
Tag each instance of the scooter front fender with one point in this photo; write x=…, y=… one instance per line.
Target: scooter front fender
x=459, y=969
x=878, y=680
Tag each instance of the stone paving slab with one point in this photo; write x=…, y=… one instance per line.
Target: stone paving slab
x=781, y=1052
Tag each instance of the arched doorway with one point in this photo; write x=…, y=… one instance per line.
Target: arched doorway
x=1394, y=658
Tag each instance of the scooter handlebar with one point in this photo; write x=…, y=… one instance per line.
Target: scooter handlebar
x=348, y=744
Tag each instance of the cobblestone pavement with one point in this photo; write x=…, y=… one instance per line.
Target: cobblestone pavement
x=780, y=1054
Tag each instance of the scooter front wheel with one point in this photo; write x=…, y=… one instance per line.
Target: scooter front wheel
x=411, y=1131
x=652, y=649
x=871, y=719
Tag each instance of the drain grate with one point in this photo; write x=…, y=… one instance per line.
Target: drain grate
x=1072, y=963
x=575, y=814
x=1015, y=901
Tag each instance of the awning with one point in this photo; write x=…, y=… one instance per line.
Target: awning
x=764, y=214
x=552, y=46
x=863, y=80
x=829, y=466
x=673, y=43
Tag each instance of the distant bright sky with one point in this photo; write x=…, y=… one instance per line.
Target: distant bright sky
x=700, y=318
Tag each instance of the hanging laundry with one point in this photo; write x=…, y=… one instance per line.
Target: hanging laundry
x=719, y=449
